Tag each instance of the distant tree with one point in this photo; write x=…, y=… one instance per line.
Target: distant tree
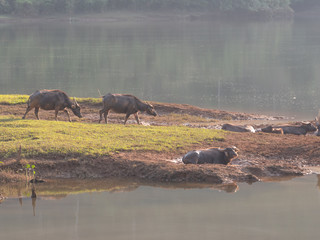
x=7, y=6
x=46, y=7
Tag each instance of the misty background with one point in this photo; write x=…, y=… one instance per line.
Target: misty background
x=259, y=56
x=258, y=8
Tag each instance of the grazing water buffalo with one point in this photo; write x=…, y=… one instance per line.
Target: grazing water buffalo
x=52, y=100
x=124, y=103
x=234, y=128
x=211, y=155
x=303, y=129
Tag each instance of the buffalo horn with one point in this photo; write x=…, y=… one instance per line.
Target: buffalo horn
x=75, y=101
x=235, y=148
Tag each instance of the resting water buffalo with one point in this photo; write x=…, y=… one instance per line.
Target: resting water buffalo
x=271, y=129
x=317, y=121
x=303, y=129
x=317, y=133
x=234, y=128
x=52, y=100
x=211, y=155
x=124, y=103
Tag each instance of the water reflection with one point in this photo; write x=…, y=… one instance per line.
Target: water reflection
x=59, y=189
x=318, y=184
x=286, y=210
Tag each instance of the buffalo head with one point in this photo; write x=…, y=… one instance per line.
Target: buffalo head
x=150, y=110
x=231, y=153
x=76, y=108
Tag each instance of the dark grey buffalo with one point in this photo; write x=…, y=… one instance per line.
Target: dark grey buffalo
x=211, y=155
x=125, y=103
x=303, y=129
x=317, y=133
x=52, y=100
x=235, y=128
x=271, y=129
x=317, y=122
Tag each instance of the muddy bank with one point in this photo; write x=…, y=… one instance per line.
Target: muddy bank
x=261, y=156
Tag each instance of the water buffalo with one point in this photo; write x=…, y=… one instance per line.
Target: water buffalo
x=271, y=129
x=125, y=103
x=317, y=133
x=234, y=128
x=303, y=129
x=211, y=155
x=52, y=100
x=317, y=122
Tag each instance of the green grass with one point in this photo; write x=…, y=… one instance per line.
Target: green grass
x=12, y=99
x=89, y=100
x=50, y=139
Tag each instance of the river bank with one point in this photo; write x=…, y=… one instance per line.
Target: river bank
x=262, y=155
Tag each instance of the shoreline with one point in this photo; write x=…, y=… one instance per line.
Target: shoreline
x=262, y=155
x=153, y=16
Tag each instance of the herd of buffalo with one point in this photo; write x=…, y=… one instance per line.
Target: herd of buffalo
x=58, y=100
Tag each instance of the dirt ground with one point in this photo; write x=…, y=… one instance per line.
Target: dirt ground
x=262, y=156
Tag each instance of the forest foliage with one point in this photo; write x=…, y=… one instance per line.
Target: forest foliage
x=47, y=7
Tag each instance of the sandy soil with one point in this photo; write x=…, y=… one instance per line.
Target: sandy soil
x=262, y=156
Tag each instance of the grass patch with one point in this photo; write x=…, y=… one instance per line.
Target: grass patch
x=50, y=139
x=11, y=99
x=93, y=101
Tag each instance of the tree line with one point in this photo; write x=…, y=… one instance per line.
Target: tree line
x=47, y=7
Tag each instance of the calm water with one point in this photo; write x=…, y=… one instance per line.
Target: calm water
x=287, y=210
x=270, y=67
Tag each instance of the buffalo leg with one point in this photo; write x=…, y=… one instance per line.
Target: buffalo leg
x=106, y=116
x=137, y=118
x=66, y=111
x=36, y=112
x=56, y=114
x=126, y=118
x=102, y=111
x=28, y=110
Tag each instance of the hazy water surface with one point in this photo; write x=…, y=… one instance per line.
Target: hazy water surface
x=287, y=210
x=269, y=67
